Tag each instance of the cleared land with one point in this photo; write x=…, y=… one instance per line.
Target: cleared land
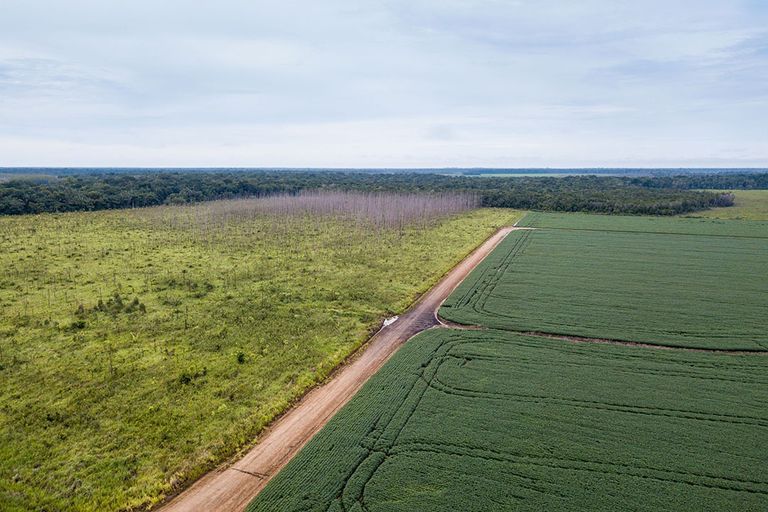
x=677, y=282
x=749, y=205
x=234, y=486
x=490, y=420
x=139, y=348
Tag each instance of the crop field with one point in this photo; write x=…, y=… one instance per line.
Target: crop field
x=658, y=225
x=668, y=281
x=490, y=419
x=493, y=420
x=139, y=348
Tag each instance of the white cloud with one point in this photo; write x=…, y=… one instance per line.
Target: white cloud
x=396, y=83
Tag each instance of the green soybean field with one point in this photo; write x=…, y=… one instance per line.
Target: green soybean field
x=677, y=282
x=611, y=363
x=492, y=420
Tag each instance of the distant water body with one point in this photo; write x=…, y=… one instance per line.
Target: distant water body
x=481, y=172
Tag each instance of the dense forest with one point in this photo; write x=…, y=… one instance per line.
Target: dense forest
x=741, y=181
x=604, y=194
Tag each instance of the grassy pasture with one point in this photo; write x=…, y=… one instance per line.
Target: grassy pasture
x=139, y=348
x=492, y=420
x=677, y=282
x=749, y=205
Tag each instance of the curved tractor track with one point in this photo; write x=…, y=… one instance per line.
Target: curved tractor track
x=232, y=487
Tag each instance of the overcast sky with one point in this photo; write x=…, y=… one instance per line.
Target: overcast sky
x=413, y=83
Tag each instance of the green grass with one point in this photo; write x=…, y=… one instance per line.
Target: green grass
x=140, y=348
x=491, y=420
x=678, y=282
x=750, y=205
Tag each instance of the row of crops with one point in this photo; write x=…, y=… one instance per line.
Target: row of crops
x=678, y=282
x=497, y=419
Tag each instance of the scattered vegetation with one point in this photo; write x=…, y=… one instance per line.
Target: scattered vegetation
x=669, y=281
x=491, y=420
x=139, y=348
x=379, y=210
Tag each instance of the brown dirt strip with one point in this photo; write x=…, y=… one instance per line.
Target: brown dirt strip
x=581, y=339
x=608, y=341
x=233, y=486
x=605, y=341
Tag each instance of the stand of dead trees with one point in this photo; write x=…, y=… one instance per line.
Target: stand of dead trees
x=377, y=211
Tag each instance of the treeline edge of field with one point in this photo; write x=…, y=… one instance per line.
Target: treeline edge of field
x=662, y=195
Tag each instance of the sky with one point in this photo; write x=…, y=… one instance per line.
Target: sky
x=387, y=83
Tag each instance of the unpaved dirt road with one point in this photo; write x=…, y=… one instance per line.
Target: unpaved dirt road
x=232, y=487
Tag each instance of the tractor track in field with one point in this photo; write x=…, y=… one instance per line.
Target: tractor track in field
x=655, y=346
x=231, y=487
x=607, y=341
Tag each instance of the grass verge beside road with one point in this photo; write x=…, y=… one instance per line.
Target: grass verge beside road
x=139, y=348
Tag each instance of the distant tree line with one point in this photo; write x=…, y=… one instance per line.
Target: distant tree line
x=745, y=181
x=603, y=194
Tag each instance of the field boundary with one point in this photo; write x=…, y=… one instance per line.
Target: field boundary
x=603, y=341
x=640, y=344
x=233, y=485
x=626, y=231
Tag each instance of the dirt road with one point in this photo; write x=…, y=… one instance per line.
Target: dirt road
x=232, y=487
